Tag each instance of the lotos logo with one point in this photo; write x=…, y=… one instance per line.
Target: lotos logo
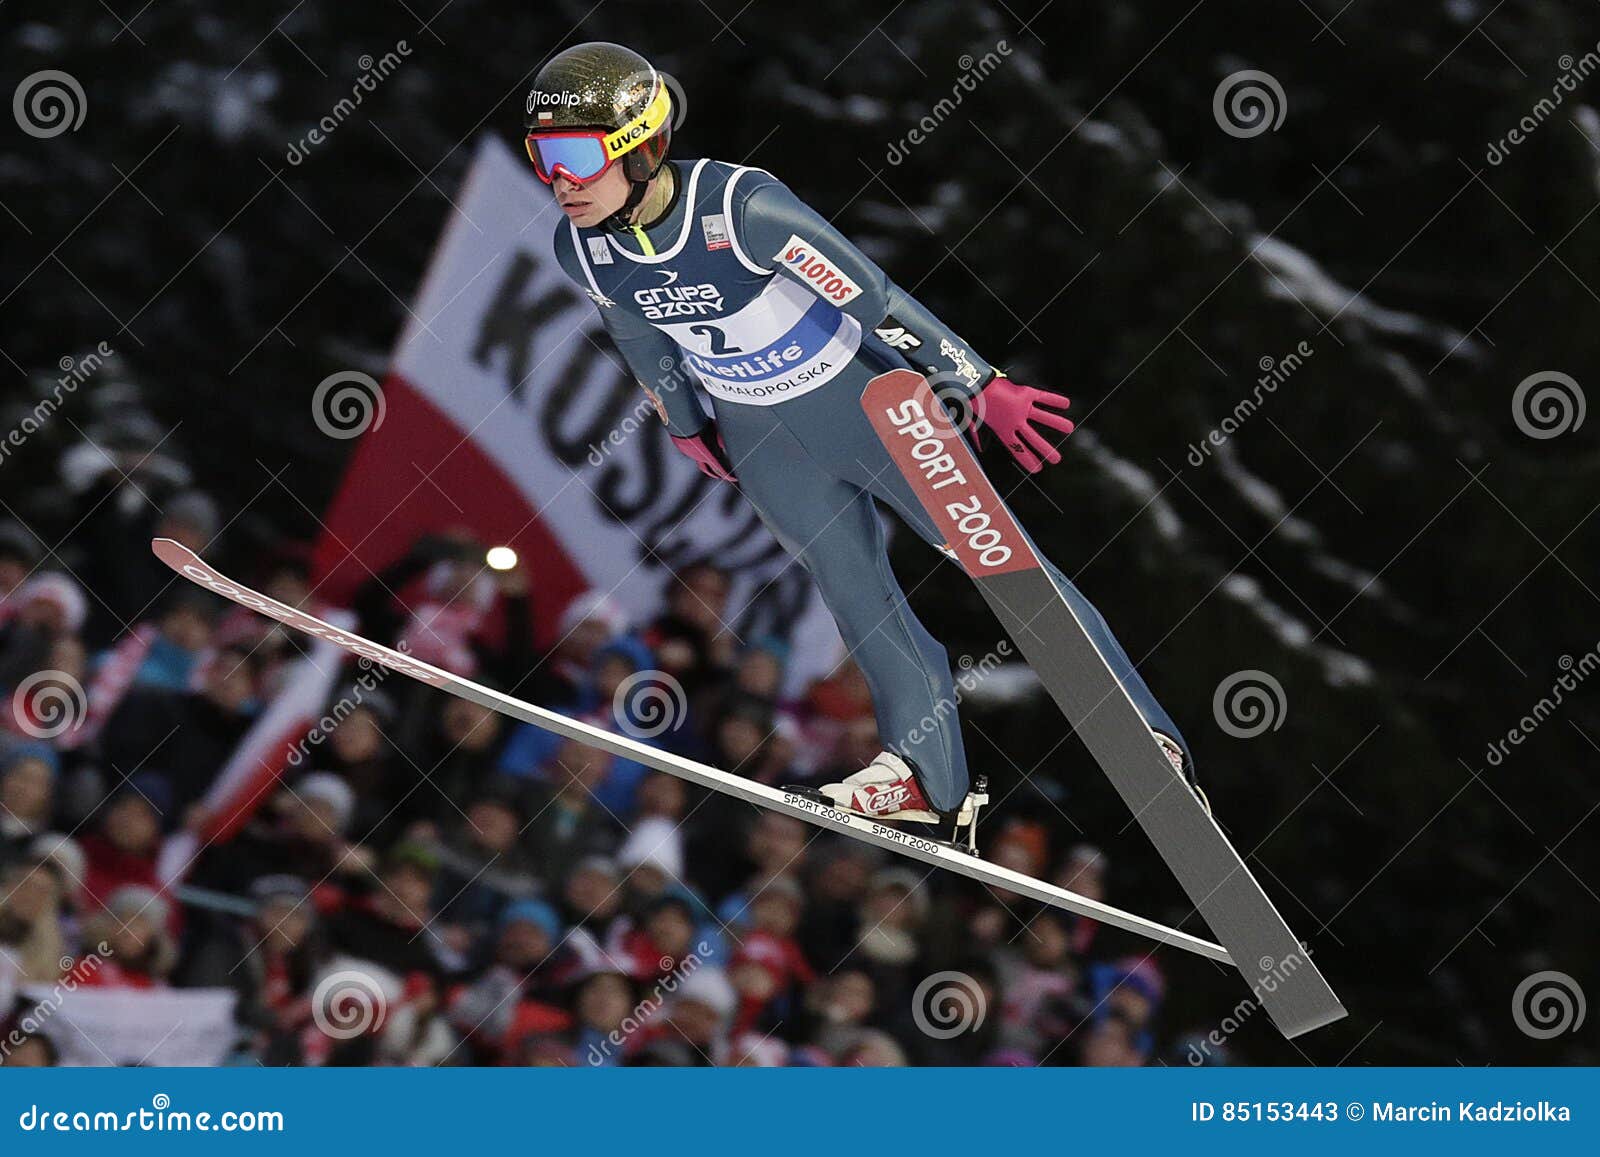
x=817, y=271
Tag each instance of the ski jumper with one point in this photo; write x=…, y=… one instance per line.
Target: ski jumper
x=743, y=298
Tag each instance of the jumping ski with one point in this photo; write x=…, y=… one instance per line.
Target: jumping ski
x=988, y=542
x=192, y=567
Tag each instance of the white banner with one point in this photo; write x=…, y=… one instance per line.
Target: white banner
x=134, y=1026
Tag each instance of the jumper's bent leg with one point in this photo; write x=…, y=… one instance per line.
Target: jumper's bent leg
x=832, y=527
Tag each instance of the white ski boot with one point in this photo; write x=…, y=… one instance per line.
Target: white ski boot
x=1180, y=764
x=887, y=790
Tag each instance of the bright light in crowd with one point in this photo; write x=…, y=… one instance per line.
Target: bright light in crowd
x=501, y=558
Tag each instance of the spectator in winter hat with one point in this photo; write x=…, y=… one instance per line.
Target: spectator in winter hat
x=755, y=1050
x=169, y=652
x=891, y=916
x=875, y=1049
x=330, y=800
x=363, y=755
x=1131, y=989
x=122, y=854
x=279, y=970
x=840, y=1004
x=521, y=990
x=134, y=926
x=392, y=925
x=1109, y=1043
x=690, y=639
x=701, y=1010
x=662, y=941
x=569, y=824
x=1043, y=1003
x=31, y=934
x=462, y=751
x=661, y=796
x=605, y=1004
x=63, y=855
x=741, y=732
x=653, y=854
x=776, y=844
x=768, y=967
x=1083, y=871
x=561, y=679
x=833, y=909
x=27, y=796
x=482, y=863
x=592, y=888
x=760, y=669
x=53, y=603
x=47, y=607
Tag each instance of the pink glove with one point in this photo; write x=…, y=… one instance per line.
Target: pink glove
x=1010, y=410
x=707, y=452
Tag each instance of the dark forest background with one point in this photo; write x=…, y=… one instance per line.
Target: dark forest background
x=1381, y=537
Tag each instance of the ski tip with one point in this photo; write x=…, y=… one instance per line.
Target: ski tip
x=174, y=554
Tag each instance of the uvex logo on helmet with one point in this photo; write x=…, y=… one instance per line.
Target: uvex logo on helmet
x=622, y=138
x=536, y=98
x=821, y=273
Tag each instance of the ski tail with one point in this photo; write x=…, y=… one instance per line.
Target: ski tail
x=984, y=536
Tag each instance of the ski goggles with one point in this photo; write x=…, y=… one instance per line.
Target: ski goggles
x=581, y=155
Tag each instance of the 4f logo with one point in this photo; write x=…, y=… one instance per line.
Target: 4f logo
x=896, y=336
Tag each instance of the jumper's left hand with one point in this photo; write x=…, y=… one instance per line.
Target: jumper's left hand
x=1011, y=410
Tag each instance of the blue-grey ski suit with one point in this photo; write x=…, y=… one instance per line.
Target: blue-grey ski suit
x=744, y=298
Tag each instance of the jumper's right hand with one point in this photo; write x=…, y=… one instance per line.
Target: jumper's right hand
x=706, y=450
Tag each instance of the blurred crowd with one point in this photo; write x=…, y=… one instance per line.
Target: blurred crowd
x=486, y=892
